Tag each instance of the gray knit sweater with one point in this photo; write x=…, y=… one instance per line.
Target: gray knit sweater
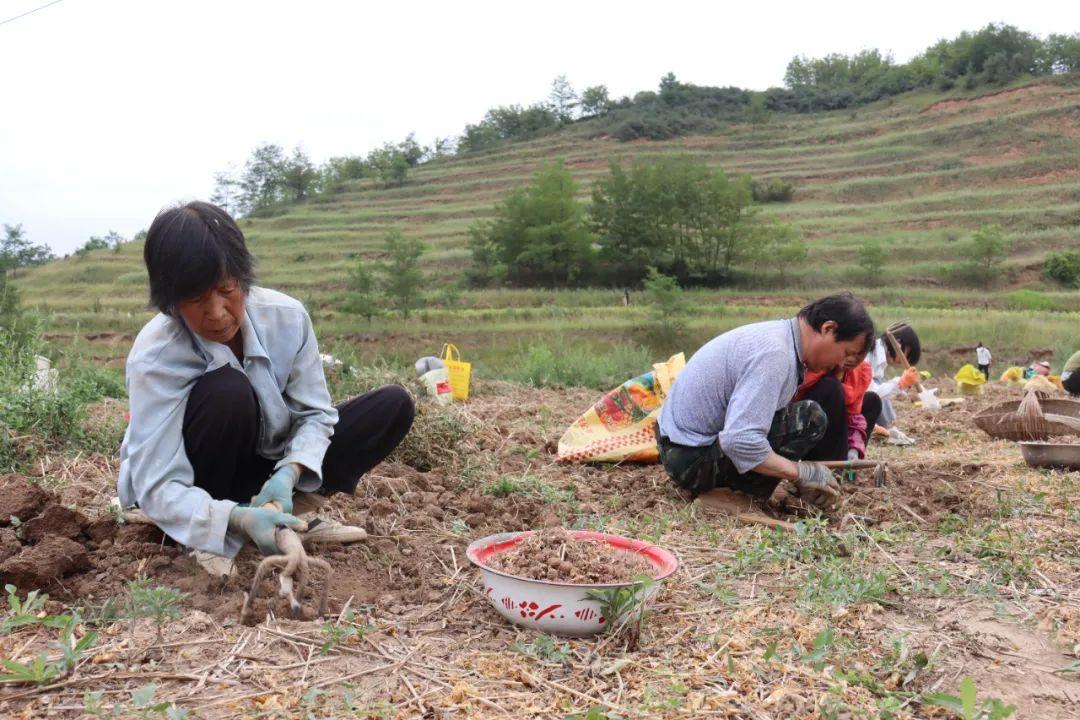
x=732, y=387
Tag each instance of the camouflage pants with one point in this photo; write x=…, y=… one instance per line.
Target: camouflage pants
x=795, y=430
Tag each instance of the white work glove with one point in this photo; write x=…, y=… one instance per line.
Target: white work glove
x=817, y=485
x=852, y=454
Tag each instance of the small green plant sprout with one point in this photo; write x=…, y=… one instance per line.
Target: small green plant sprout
x=30, y=611
x=144, y=707
x=967, y=706
x=625, y=609
x=38, y=671
x=504, y=487
x=339, y=632
x=544, y=649
x=72, y=647
x=160, y=603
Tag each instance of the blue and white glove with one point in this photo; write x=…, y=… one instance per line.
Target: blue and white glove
x=279, y=488
x=261, y=524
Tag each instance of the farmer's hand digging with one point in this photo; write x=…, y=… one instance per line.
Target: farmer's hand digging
x=261, y=524
x=817, y=484
x=279, y=488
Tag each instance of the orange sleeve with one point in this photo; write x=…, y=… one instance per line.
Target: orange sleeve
x=856, y=382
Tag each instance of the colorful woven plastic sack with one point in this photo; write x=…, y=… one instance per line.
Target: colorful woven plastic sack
x=969, y=379
x=460, y=372
x=619, y=427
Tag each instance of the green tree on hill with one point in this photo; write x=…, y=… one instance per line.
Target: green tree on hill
x=260, y=183
x=595, y=101
x=538, y=236
x=756, y=111
x=676, y=213
x=360, y=299
x=667, y=306
x=16, y=250
x=872, y=256
x=299, y=178
x=402, y=280
x=987, y=252
x=564, y=99
x=226, y=192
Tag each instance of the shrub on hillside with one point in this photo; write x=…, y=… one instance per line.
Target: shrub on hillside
x=1029, y=300
x=667, y=306
x=772, y=190
x=1063, y=267
x=538, y=236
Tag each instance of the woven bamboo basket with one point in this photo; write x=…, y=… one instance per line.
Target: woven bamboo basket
x=1001, y=421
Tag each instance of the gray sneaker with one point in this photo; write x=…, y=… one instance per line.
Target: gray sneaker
x=325, y=530
x=214, y=565
x=322, y=529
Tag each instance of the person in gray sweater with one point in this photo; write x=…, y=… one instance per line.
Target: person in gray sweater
x=729, y=420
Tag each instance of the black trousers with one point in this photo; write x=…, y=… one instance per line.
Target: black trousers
x=795, y=429
x=1072, y=385
x=829, y=394
x=985, y=370
x=221, y=433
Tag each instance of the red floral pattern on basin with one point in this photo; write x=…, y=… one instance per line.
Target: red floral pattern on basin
x=555, y=607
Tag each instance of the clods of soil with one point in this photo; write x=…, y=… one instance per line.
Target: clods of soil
x=557, y=556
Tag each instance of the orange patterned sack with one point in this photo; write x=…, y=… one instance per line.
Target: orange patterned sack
x=619, y=427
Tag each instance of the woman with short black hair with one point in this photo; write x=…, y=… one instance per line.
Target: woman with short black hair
x=229, y=405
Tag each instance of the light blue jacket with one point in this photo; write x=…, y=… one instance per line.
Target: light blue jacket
x=281, y=359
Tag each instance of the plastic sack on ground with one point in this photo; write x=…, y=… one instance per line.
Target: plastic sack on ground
x=1014, y=375
x=460, y=372
x=619, y=427
x=969, y=379
x=435, y=377
x=929, y=400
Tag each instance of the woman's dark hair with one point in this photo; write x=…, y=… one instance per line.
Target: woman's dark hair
x=909, y=343
x=847, y=311
x=189, y=249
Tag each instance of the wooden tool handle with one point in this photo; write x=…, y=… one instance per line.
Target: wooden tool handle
x=849, y=464
x=900, y=354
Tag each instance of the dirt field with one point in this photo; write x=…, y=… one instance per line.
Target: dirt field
x=965, y=564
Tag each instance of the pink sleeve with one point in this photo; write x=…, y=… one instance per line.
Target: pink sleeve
x=856, y=426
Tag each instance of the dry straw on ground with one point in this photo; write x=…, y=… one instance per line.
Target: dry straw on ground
x=964, y=565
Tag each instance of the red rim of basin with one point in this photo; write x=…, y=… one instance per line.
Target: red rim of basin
x=663, y=561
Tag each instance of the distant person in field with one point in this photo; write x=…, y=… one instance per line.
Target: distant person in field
x=880, y=358
x=730, y=419
x=1070, y=375
x=229, y=405
x=983, y=356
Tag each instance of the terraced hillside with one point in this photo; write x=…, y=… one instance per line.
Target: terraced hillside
x=919, y=172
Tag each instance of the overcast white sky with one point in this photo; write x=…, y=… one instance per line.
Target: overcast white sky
x=111, y=109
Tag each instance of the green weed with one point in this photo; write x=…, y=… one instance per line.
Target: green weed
x=143, y=706
x=625, y=609
x=839, y=585
x=161, y=604
x=545, y=649
x=967, y=706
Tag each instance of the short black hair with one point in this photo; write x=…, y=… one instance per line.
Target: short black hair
x=847, y=311
x=189, y=249
x=909, y=342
